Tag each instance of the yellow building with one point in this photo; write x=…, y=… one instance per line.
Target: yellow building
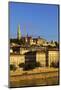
x=41, y=56
x=53, y=56
x=17, y=59
x=40, y=41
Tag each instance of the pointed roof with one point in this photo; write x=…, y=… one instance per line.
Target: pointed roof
x=18, y=32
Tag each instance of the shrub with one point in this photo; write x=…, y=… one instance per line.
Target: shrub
x=21, y=65
x=29, y=66
x=55, y=64
x=13, y=67
x=38, y=64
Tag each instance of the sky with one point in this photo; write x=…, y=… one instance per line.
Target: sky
x=34, y=20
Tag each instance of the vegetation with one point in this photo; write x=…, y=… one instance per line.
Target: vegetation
x=55, y=64
x=16, y=41
x=29, y=66
x=57, y=44
x=13, y=67
x=38, y=64
x=21, y=65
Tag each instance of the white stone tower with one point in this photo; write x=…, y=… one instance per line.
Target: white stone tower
x=18, y=33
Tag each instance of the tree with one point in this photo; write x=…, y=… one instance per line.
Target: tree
x=57, y=44
x=21, y=65
x=13, y=67
x=55, y=64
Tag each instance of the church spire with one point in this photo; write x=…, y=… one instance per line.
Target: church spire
x=18, y=33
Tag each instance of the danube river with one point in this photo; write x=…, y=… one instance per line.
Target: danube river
x=35, y=79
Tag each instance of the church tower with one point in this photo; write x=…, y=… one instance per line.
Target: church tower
x=18, y=33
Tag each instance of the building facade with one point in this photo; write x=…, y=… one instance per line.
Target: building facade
x=44, y=58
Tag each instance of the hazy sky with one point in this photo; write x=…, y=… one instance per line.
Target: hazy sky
x=34, y=19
